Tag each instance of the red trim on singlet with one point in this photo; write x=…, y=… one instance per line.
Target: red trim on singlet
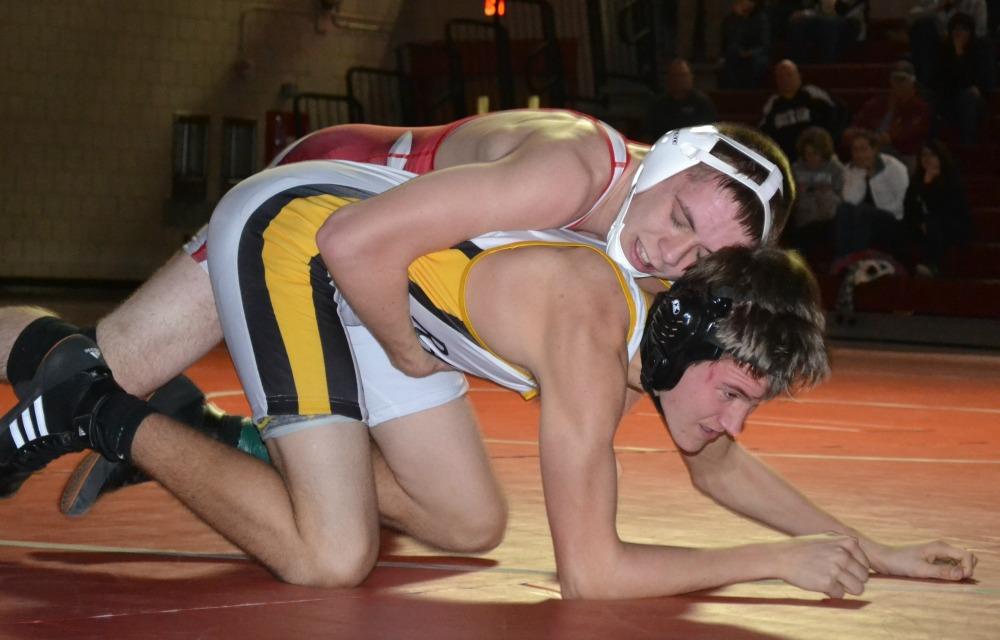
x=614, y=164
x=201, y=253
x=373, y=144
x=447, y=129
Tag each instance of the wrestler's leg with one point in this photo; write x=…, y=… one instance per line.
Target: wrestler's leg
x=158, y=332
x=435, y=481
x=314, y=523
x=161, y=329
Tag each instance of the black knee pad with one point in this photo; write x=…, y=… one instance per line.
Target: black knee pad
x=32, y=344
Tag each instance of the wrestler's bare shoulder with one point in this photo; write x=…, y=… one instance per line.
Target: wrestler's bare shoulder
x=547, y=282
x=494, y=136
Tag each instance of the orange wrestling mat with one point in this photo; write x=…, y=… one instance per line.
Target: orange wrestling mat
x=906, y=446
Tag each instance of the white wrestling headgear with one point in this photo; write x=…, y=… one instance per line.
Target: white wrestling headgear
x=681, y=149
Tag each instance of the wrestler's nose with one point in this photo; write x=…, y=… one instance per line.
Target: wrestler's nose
x=678, y=252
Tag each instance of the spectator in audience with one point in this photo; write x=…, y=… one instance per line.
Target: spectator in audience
x=819, y=177
x=928, y=27
x=821, y=29
x=936, y=207
x=871, y=213
x=795, y=107
x=963, y=80
x=681, y=105
x=746, y=45
x=900, y=117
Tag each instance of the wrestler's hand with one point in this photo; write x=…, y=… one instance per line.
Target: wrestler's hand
x=936, y=559
x=417, y=363
x=829, y=563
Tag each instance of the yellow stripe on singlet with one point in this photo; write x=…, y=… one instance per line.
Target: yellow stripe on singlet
x=289, y=245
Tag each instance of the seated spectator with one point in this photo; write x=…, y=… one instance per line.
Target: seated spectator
x=964, y=79
x=821, y=30
x=900, y=117
x=795, y=107
x=746, y=45
x=872, y=211
x=819, y=177
x=936, y=207
x=928, y=28
x=681, y=105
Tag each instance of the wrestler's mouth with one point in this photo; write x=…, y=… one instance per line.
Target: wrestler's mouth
x=640, y=258
x=710, y=433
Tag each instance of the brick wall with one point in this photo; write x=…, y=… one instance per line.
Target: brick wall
x=88, y=91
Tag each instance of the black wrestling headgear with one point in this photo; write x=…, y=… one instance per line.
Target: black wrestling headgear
x=680, y=330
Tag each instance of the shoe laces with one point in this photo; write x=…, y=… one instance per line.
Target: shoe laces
x=41, y=451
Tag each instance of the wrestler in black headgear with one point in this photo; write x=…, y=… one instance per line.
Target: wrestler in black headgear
x=680, y=331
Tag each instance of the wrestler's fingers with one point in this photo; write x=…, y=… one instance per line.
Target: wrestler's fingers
x=850, y=583
x=852, y=546
x=953, y=562
x=856, y=569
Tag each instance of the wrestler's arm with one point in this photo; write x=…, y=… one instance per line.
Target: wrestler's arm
x=738, y=480
x=545, y=182
x=572, y=339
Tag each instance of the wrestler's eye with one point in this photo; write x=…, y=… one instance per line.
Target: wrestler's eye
x=678, y=220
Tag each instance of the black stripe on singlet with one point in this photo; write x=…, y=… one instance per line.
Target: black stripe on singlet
x=341, y=381
x=470, y=250
x=444, y=316
x=269, y=351
x=273, y=366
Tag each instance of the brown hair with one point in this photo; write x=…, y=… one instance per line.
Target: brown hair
x=776, y=325
x=818, y=138
x=750, y=211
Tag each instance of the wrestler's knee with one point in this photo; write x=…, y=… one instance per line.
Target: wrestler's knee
x=480, y=527
x=331, y=564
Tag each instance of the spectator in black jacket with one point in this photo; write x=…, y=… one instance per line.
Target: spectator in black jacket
x=681, y=105
x=936, y=207
x=796, y=107
x=929, y=29
x=746, y=45
x=963, y=80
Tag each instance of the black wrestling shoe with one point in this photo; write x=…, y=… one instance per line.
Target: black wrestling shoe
x=180, y=399
x=57, y=412
x=92, y=478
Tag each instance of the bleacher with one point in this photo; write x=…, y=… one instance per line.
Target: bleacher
x=969, y=284
x=440, y=82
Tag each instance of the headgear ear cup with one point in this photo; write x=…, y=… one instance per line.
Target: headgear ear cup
x=680, y=331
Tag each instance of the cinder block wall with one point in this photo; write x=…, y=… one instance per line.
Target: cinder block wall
x=88, y=90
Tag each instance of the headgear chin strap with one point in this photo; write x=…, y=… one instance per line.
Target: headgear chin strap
x=679, y=150
x=680, y=331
